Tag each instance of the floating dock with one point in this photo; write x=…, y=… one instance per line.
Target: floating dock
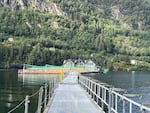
x=50, y=69
x=71, y=98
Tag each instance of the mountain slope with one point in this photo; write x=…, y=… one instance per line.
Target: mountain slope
x=44, y=6
x=111, y=31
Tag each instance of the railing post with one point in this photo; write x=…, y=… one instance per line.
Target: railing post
x=54, y=83
x=102, y=103
x=109, y=105
x=86, y=85
x=61, y=76
x=45, y=99
x=50, y=89
x=104, y=94
x=112, y=100
x=52, y=86
x=116, y=103
x=26, y=104
x=58, y=80
x=99, y=91
x=97, y=94
x=90, y=88
x=142, y=110
x=123, y=109
x=40, y=100
x=130, y=107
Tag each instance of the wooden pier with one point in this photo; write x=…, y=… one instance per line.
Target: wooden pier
x=71, y=98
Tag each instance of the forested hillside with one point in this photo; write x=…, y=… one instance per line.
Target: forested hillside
x=111, y=32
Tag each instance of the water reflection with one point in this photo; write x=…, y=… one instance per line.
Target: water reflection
x=32, y=79
x=14, y=88
x=133, y=82
x=9, y=100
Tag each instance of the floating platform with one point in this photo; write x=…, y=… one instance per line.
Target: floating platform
x=47, y=71
x=50, y=69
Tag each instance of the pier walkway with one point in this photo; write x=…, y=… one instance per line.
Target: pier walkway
x=87, y=96
x=69, y=97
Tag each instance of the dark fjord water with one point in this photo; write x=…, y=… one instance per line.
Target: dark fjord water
x=133, y=82
x=14, y=88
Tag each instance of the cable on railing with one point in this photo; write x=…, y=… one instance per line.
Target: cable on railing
x=22, y=102
x=34, y=94
x=37, y=92
x=16, y=106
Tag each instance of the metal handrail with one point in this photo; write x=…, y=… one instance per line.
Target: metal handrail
x=108, y=99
